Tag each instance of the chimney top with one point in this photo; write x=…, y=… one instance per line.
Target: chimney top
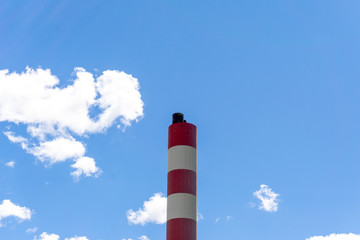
x=178, y=118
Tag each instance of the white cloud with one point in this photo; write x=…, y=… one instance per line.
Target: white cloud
x=31, y=230
x=17, y=139
x=153, y=211
x=268, y=198
x=77, y=238
x=46, y=236
x=85, y=166
x=9, y=209
x=58, y=150
x=228, y=218
x=143, y=237
x=10, y=164
x=334, y=236
x=118, y=99
x=54, y=116
x=14, y=139
x=33, y=97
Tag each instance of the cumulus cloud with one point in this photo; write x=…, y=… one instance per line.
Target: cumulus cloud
x=9, y=209
x=46, y=236
x=77, y=238
x=58, y=150
x=153, y=211
x=32, y=97
x=85, y=166
x=54, y=116
x=334, y=236
x=10, y=164
x=268, y=199
x=52, y=236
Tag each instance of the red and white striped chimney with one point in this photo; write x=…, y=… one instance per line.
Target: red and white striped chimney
x=181, y=191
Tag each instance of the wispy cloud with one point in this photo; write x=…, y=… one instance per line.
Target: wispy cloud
x=142, y=237
x=199, y=216
x=10, y=164
x=31, y=230
x=55, y=116
x=334, y=236
x=268, y=199
x=228, y=218
x=9, y=209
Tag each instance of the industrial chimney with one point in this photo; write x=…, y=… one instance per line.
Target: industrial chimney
x=181, y=189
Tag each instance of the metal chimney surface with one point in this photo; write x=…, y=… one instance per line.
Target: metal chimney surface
x=181, y=188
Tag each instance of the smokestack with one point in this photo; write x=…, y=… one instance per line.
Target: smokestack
x=181, y=190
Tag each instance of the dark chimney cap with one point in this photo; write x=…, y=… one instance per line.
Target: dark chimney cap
x=178, y=118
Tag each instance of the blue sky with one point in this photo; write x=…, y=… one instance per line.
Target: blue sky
x=273, y=87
